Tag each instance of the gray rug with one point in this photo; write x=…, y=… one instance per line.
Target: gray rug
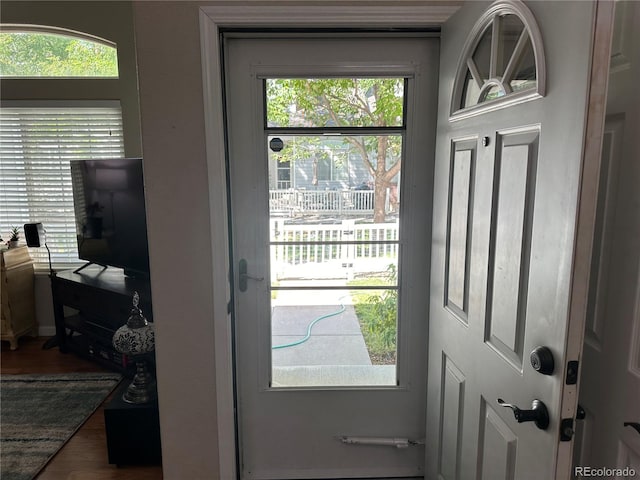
x=39, y=413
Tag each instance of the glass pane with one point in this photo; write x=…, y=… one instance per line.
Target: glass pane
x=525, y=76
x=471, y=92
x=333, y=264
x=333, y=337
x=335, y=102
x=482, y=54
x=510, y=29
x=492, y=93
x=334, y=249
x=335, y=178
x=29, y=54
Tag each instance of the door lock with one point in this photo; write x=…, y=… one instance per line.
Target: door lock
x=542, y=360
x=538, y=413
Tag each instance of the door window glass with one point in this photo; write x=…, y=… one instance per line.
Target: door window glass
x=334, y=230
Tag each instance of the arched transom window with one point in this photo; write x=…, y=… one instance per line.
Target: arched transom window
x=502, y=61
x=28, y=51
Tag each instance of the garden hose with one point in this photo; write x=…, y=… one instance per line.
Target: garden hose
x=309, y=327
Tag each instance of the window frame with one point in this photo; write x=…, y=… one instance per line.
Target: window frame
x=500, y=8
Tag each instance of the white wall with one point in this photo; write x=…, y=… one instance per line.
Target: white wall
x=172, y=108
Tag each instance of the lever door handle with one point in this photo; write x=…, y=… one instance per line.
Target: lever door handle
x=243, y=276
x=538, y=413
x=634, y=425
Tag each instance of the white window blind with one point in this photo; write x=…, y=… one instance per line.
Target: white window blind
x=36, y=145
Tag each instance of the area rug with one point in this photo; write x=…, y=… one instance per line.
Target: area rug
x=39, y=413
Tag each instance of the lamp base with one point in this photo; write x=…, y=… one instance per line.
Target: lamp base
x=143, y=388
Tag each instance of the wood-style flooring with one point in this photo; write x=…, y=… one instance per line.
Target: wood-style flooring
x=84, y=457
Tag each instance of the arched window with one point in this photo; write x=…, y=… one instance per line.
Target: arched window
x=502, y=61
x=33, y=51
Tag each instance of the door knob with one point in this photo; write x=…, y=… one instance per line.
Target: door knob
x=635, y=426
x=538, y=413
x=542, y=360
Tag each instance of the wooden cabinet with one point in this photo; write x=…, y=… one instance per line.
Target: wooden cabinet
x=18, y=311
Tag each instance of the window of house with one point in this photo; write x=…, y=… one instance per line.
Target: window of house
x=47, y=52
x=37, y=141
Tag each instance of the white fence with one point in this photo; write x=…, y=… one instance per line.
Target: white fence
x=333, y=202
x=297, y=255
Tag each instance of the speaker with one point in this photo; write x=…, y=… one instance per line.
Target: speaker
x=34, y=234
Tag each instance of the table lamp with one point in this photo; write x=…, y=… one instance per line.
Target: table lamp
x=136, y=338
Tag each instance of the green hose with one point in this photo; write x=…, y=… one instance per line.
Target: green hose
x=309, y=327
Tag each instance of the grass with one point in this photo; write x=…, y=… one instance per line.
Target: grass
x=377, y=315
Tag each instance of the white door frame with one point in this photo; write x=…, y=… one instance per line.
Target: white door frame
x=213, y=18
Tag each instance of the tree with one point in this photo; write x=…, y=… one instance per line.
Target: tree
x=346, y=102
x=33, y=54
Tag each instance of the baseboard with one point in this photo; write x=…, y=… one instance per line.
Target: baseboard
x=46, y=330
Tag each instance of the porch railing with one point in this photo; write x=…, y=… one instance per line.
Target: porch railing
x=322, y=202
x=297, y=255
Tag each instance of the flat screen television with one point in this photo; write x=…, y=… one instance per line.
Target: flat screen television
x=109, y=205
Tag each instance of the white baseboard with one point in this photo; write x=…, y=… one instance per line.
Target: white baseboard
x=46, y=331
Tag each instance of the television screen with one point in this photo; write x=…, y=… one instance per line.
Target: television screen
x=110, y=216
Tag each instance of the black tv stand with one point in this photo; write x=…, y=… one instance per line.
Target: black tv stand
x=89, y=308
x=104, y=267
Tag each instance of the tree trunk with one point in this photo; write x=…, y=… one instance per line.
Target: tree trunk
x=379, y=200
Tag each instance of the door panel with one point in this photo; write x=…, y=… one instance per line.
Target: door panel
x=460, y=208
x=305, y=252
x=512, y=203
x=506, y=191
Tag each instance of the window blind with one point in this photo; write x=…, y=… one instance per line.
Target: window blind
x=36, y=145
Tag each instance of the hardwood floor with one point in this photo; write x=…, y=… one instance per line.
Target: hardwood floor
x=84, y=457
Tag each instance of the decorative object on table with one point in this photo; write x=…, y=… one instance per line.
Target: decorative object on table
x=40, y=413
x=15, y=237
x=137, y=339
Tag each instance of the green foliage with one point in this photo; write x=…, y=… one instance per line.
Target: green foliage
x=335, y=102
x=378, y=316
x=15, y=234
x=342, y=102
x=29, y=54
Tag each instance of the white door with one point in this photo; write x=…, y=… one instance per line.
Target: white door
x=506, y=190
x=610, y=383
x=331, y=251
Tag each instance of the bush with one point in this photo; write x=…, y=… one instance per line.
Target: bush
x=378, y=316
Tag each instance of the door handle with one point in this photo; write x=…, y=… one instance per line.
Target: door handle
x=635, y=426
x=243, y=276
x=538, y=413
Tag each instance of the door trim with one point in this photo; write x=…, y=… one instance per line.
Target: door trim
x=213, y=19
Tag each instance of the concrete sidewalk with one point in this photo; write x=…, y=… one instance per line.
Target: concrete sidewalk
x=335, y=353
